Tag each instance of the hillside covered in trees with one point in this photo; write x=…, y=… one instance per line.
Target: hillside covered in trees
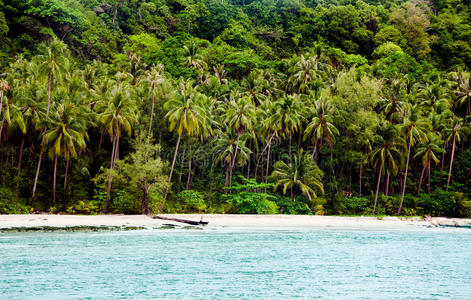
x=235, y=106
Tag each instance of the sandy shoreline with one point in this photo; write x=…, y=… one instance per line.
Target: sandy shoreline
x=232, y=221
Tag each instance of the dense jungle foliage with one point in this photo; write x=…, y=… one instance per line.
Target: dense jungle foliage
x=235, y=106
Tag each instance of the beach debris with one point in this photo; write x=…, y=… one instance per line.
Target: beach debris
x=200, y=222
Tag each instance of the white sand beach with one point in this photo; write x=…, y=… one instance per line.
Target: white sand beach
x=232, y=221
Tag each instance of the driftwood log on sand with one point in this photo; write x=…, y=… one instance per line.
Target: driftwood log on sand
x=200, y=222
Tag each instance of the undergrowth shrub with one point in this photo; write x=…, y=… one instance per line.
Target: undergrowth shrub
x=9, y=204
x=193, y=200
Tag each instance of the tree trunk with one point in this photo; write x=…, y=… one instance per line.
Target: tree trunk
x=181, y=166
x=20, y=159
x=300, y=138
x=101, y=141
x=66, y=172
x=152, y=111
x=116, y=152
x=1, y=164
x=268, y=162
x=189, y=174
x=49, y=91
x=234, y=157
x=289, y=144
x=1, y=103
x=108, y=188
x=12, y=156
x=54, y=182
x=420, y=181
x=145, y=202
x=442, y=162
x=173, y=165
x=37, y=175
x=359, y=179
x=429, y=163
x=387, y=185
x=451, y=162
x=115, y=13
x=350, y=177
x=405, y=180
x=377, y=189
x=314, y=152
x=226, y=183
x=3, y=120
x=468, y=175
x=248, y=166
x=1, y=129
x=400, y=183
x=261, y=154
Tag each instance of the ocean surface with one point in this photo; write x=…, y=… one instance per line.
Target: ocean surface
x=237, y=264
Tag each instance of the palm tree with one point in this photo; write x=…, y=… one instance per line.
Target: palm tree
x=462, y=92
x=224, y=145
x=454, y=132
x=320, y=128
x=117, y=113
x=240, y=117
x=290, y=114
x=301, y=173
x=307, y=71
x=53, y=61
x=154, y=78
x=32, y=108
x=415, y=129
x=188, y=114
x=259, y=85
x=434, y=95
x=4, y=87
x=271, y=127
x=192, y=58
x=428, y=150
x=65, y=136
x=11, y=115
x=386, y=158
x=191, y=55
x=393, y=93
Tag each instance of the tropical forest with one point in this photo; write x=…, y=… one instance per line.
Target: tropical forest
x=326, y=107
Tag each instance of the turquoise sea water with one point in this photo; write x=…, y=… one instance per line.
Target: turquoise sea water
x=237, y=264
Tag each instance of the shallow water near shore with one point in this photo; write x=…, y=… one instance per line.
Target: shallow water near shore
x=244, y=264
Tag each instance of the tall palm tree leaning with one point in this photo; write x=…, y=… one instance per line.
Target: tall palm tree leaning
x=187, y=114
x=454, y=132
x=385, y=158
x=117, y=113
x=52, y=62
x=415, y=129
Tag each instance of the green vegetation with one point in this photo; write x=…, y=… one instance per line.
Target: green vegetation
x=255, y=106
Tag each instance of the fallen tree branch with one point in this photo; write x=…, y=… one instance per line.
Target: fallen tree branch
x=201, y=222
